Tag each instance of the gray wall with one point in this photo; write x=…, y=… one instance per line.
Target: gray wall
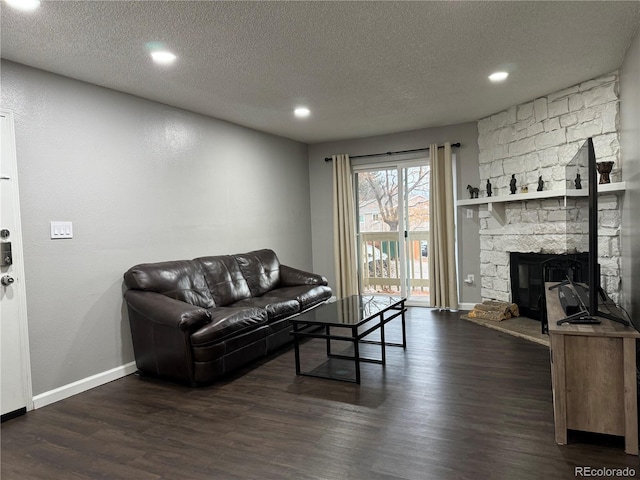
x=141, y=182
x=630, y=155
x=467, y=163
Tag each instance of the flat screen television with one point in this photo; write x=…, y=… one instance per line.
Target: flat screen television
x=582, y=236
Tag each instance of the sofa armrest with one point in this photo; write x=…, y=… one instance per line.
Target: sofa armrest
x=290, y=277
x=161, y=329
x=166, y=311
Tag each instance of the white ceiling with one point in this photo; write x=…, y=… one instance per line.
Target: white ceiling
x=363, y=68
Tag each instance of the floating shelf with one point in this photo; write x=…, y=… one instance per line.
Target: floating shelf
x=495, y=205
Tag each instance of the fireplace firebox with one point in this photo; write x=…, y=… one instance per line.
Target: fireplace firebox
x=527, y=282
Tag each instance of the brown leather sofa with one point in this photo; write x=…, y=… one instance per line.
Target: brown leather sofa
x=195, y=320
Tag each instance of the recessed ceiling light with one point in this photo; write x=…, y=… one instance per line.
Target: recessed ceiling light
x=163, y=57
x=26, y=5
x=498, y=76
x=302, y=112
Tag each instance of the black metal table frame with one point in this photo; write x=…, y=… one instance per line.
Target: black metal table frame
x=309, y=329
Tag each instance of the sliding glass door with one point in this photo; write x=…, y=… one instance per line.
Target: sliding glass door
x=393, y=229
x=416, y=221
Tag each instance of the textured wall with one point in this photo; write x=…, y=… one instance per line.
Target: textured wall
x=630, y=156
x=141, y=182
x=539, y=138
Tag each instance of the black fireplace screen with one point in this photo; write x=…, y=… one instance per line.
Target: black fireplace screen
x=527, y=278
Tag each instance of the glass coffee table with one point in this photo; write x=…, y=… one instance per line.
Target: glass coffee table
x=350, y=319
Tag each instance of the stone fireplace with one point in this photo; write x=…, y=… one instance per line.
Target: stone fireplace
x=538, y=139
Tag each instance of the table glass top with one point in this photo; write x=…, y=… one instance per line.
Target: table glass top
x=349, y=311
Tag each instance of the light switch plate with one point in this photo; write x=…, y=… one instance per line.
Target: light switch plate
x=469, y=213
x=61, y=230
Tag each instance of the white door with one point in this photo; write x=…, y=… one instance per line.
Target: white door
x=15, y=368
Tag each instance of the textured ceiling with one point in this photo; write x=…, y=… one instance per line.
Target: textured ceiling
x=363, y=68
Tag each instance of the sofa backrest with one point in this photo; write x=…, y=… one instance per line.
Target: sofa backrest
x=225, y=279
x=261, y=269
x=179, y=279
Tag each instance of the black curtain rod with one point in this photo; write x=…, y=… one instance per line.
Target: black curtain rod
x=328, y=159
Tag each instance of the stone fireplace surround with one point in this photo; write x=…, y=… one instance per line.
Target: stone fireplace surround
x=539, y=138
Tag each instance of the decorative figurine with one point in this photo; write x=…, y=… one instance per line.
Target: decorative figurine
x=540, y=183
x=578, y=182
x=473, y=191
x=488, y=188
x=512, y=184
x=524, y=189
x=604, y=169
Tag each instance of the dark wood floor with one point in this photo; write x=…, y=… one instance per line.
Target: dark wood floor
x=462, y=402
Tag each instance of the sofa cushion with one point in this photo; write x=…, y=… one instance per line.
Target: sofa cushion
x=225, y=280
x=261, y=269
x=290, y=277
x=278, y=325
x=306, y=295
x=277, y=306
x=211, y=351
x=229, y=321
x=181, y=279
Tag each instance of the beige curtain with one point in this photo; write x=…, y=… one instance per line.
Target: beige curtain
x=442, y=256
x=344, y=234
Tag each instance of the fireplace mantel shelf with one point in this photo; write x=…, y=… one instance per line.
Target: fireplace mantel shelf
x=496, y=204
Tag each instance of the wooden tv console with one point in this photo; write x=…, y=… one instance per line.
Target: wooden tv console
x=593, y=372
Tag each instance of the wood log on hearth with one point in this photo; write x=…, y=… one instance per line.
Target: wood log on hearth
x=488, y=315
x=513, y=307
x=494, y=310
x=504, y=309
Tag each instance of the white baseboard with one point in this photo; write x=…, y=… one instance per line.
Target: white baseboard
x=466, y=306
x=83, y=385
